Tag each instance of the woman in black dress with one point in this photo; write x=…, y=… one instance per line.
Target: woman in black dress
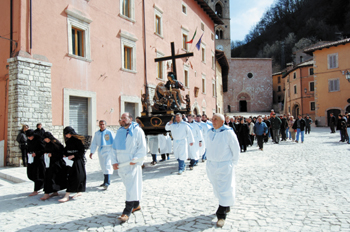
x=22, y=140
x=36, y=169
x=243, y=135
x=74, y=151
x=56, y=174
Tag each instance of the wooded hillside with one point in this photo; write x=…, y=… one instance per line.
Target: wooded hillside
x=290, y=25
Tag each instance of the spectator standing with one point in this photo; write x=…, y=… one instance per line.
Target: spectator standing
x=275, y=126
x=284, y=127
x=332, y=123
x=341, y=126
x=260, y=130
x=22, y=140
x=299, y=125
x=308, y=122
x=290, y=128
x=251, y=130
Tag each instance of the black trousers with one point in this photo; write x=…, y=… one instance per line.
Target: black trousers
x=251, y=140
x=24, y=156
x=163, y=156
x=129, y=206
x=283, y=133
x=222, y=211
x=332, y=126
x=307, y=129
x=260, y=139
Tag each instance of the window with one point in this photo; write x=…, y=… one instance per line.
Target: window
x=203, y=84
x=128, y=48
x=295, y=75
x=311, y=71
x=332, y=61
x=295, y=89
x=203, y=53
x=333, y=85
x=158, y=24
x=212, y=60
x=301, y=59
x=312, y=106
x=186, y=76
x=279, y=80
x=160, y=66
x=213, y=86
x=212, y=36
x=202, y=26
x=78, y=42
x=279, y=98
x=218, y=10
x=78, y=35
x=127, y=10
x=184, y=38
x=127, y=57
x=311, y=86
x=279, y=88
x=184, y=8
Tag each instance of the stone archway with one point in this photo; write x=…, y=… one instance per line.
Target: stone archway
x=243, y=102
x=296, y=110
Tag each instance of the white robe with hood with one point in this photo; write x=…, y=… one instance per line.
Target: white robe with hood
x=222, y=155
x=194, y=151
x=182, y=135
x=165, y=144
x=105, y=152
x=131, y=175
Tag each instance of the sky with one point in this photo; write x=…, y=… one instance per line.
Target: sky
x=245, y=14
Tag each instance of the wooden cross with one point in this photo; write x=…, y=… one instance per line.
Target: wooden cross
x=173, y=57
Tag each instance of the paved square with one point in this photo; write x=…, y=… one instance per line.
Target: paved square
x=287, y=187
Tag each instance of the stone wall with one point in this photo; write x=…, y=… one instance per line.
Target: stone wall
x=29, y=101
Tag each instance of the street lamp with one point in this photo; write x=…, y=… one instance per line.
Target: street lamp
x=347, y=76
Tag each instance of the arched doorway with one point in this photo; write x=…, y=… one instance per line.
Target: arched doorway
x=336, y=112
x=195, y=111
x=243, y=106
x=296, y=111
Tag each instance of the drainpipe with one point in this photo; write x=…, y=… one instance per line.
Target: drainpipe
x=301, y=94
x=11, y=29
x=149, y=108
x=30, y=26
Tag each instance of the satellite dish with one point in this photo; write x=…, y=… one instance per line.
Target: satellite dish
x=220, y=47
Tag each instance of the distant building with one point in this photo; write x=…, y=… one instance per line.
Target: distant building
x=331, y=76
x=249, y=86
x=222, y=70
x=299, y=90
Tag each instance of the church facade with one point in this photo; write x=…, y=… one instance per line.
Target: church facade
x=76, y=62
x=249, y=86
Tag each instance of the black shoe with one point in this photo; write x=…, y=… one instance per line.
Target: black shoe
x=161, y=160
x=102, y=185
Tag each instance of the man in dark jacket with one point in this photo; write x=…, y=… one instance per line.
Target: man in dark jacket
x=341, y=126
x=39, y=130
x=299, y=126
x=284, y=126
x=308, y=122
x=332, y=123
x=275, y=126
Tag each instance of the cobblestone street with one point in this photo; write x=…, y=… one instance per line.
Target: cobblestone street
x=287, y=187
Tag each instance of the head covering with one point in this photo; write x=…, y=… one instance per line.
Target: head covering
x=119, y=142
x=69, y=130
x=30, y=132
x=49, y=136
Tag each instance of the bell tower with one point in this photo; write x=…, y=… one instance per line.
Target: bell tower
x=222, y=32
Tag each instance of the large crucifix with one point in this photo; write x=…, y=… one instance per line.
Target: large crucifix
x=173, y=57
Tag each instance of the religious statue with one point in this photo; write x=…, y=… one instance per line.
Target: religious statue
x=168, y=96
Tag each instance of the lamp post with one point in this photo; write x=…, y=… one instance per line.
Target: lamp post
x=347, y=76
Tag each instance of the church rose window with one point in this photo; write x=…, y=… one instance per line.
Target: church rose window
x=250, y=75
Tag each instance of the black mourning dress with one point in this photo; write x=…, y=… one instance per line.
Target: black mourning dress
x=56, y=174
x=76, y=173
x=36, y=170
x=243, y=136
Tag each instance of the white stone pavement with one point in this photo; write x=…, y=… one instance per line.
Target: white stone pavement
x=287, y=187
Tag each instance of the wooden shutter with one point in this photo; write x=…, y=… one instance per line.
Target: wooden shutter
x=78, y=114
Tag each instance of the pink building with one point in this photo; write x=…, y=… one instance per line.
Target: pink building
x=74, y=62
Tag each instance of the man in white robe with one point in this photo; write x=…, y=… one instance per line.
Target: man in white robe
x=103, y=140
x=165, y=146
x=153, y=144
x=182, y=136
x=222, y=152
x=193, y=151
x=130, y=146
x=205, y=127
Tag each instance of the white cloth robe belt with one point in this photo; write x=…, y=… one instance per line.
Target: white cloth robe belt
x=105, y=153
x=222, y=154
x=182, y=136
x=132, y=175
x=194, y=151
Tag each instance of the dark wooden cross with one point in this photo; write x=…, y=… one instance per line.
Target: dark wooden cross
x=173, y=57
